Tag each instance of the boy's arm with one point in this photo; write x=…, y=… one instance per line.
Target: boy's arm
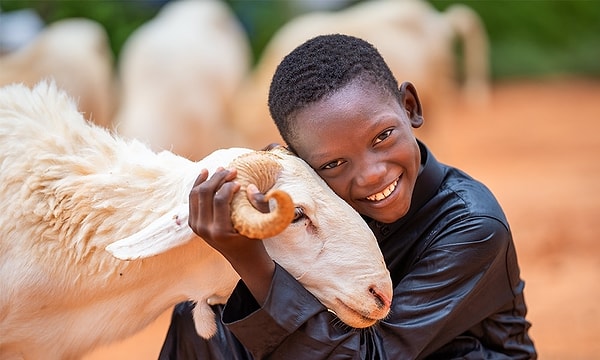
x=209, y=202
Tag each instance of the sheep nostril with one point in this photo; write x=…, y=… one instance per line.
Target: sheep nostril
x=381, y=300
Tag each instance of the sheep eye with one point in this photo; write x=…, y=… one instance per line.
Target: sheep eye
x=298, y=215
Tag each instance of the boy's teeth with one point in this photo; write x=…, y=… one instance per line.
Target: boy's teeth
x=385, y=193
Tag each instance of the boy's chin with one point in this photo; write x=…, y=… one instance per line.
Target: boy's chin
x=387, y=215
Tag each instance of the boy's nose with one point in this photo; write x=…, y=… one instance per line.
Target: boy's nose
x=370, y=174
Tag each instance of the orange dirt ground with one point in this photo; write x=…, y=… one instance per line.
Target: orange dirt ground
x=535, y=146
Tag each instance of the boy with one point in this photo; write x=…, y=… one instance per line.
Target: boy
x=445, y=239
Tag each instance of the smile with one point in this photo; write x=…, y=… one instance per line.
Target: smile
x=385, y=193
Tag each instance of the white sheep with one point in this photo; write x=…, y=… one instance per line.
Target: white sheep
x=76, y=54
x=416, y=40
x=178, y=74
x=71, y=191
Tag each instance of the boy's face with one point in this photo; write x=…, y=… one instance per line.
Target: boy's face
x=360, y=141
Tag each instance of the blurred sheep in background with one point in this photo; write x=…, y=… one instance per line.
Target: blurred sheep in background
x=74, y=52
x=178, y=73
x=417, y=41
x=185, y=81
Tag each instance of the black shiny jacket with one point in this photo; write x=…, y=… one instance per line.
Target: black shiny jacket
x=457, y=292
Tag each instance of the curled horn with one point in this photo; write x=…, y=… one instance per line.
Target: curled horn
x=260, y=168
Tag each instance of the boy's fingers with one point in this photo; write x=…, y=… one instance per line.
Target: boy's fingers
x=215, y=181
x=210, y=197
x=222, y=200
x=201, y=177
x=257, y=199
x=219, y=175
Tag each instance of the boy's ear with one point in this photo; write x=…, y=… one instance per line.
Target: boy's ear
x=411, y=103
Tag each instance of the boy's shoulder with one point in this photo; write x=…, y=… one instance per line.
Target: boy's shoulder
x=449, y=188
x=475, y=196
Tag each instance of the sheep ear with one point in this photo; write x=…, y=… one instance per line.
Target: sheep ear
x=165, y=233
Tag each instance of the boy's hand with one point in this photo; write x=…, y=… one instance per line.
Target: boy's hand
x=210, y=218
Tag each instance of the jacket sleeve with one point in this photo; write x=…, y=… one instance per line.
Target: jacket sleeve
x=459, y=281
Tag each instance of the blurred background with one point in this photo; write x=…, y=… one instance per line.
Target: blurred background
x=527, y=38
x=511, y=94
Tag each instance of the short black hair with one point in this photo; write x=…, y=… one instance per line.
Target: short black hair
x=317, y=69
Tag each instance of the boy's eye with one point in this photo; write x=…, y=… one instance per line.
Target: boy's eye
x=384, y=135
x=332, y=164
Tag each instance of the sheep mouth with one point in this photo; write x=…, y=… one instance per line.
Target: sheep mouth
x=353, y=317
x=384, y=193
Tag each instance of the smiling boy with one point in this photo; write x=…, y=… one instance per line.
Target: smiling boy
x=444, y=237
